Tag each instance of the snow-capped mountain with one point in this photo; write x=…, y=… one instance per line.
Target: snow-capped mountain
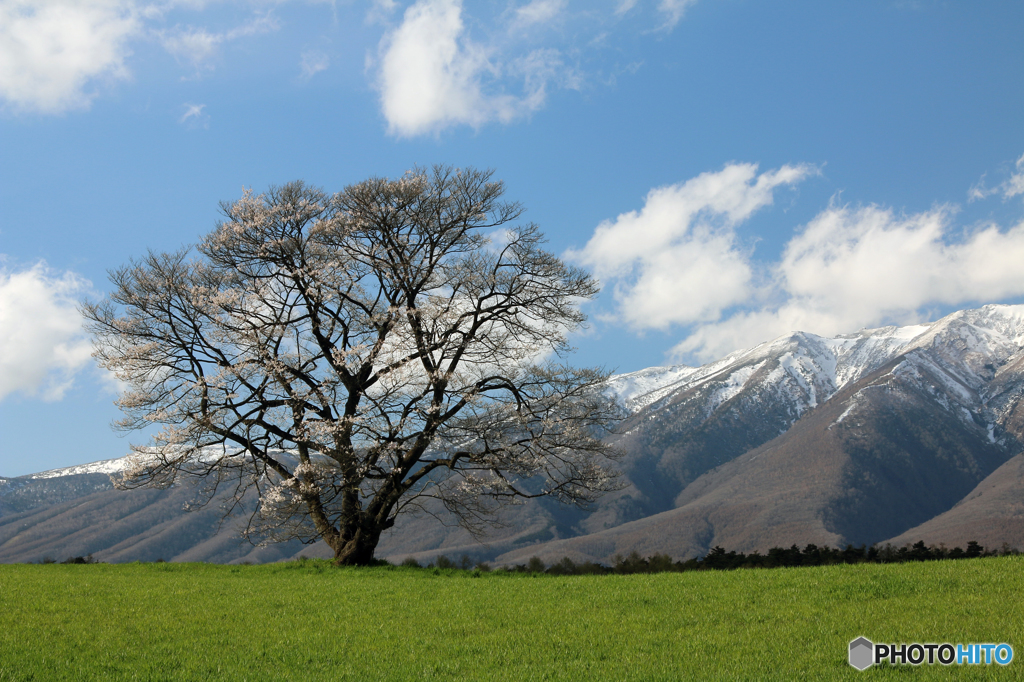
x=106, y=466
x=805, y=439
x=805, y=370
x=859, y=437
x=811, y=368
x=974, y=354
x=686, y=421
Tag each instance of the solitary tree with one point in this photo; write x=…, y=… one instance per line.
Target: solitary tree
x=349, y=356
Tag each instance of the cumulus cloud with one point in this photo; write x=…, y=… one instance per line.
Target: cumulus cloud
x=676, y=264
x=52, y=52
x=56, y=54
x=677, y=260
x=42, y=344
x=432, y=76
x=851, y=268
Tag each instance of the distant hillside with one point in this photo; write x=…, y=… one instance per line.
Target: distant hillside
x=860, y=438
x=117, y=525
x=992, y=514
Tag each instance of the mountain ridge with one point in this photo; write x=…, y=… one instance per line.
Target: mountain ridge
x=821, y=409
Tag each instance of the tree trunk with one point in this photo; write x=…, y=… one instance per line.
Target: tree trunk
x=357, y=550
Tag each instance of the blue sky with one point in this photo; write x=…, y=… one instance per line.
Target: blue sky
x=730, y=169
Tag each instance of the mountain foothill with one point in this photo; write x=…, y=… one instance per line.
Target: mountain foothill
x=890, y=435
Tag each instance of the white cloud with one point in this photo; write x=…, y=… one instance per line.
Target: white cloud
x=673, y=11
x=854, y=268
x=380, y=11
x=54, y=54
x=978, y=191
x=624, y=6
x=1014, y=185
x=42, y=344
x=677, y=261
x=198, y=46
x=313, y=62
x=192, y=111
x=52, y=51
x=537, y=12
x=1009, y=188
x=195, y=45
x=194, y=117
x=432, y=76
x=847, y=269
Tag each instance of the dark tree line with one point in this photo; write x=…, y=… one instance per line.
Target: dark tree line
x=720, y=560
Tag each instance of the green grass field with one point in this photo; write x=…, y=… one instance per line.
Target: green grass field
x=310, y=621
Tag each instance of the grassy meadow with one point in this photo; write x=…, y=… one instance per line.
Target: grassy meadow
x=310, y=621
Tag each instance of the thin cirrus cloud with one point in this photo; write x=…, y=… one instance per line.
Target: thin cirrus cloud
x=312, y=63
x=197, y=45
x=1011, y=187
x=42, y=344
x=194, y=116
x=673, y=11
x=537, y=12
x=431, y=76
x=677, y=264
x=53, y=52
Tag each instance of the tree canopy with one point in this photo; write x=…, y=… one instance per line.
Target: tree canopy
x=350, y=356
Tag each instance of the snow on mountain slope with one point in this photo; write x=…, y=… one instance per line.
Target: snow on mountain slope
x=629, y=389
x=107, y=466
x=970, y=363
x=208, y=455
x=807, y=369
x=964, y=351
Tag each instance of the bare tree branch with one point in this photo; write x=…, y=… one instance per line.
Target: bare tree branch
x=347, y=355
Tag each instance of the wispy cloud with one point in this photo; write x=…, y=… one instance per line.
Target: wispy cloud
x=624, y=6
x=1011, y=187
x=313, y=62
x=537, y=12
x=42, y=344
x=673, y=11
x=194, y=116
x=1014, y=185
x=198, y=46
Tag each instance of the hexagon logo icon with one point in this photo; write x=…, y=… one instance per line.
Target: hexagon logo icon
x=862, y=653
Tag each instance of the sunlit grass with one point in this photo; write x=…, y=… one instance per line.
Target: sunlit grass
x=310, y=621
